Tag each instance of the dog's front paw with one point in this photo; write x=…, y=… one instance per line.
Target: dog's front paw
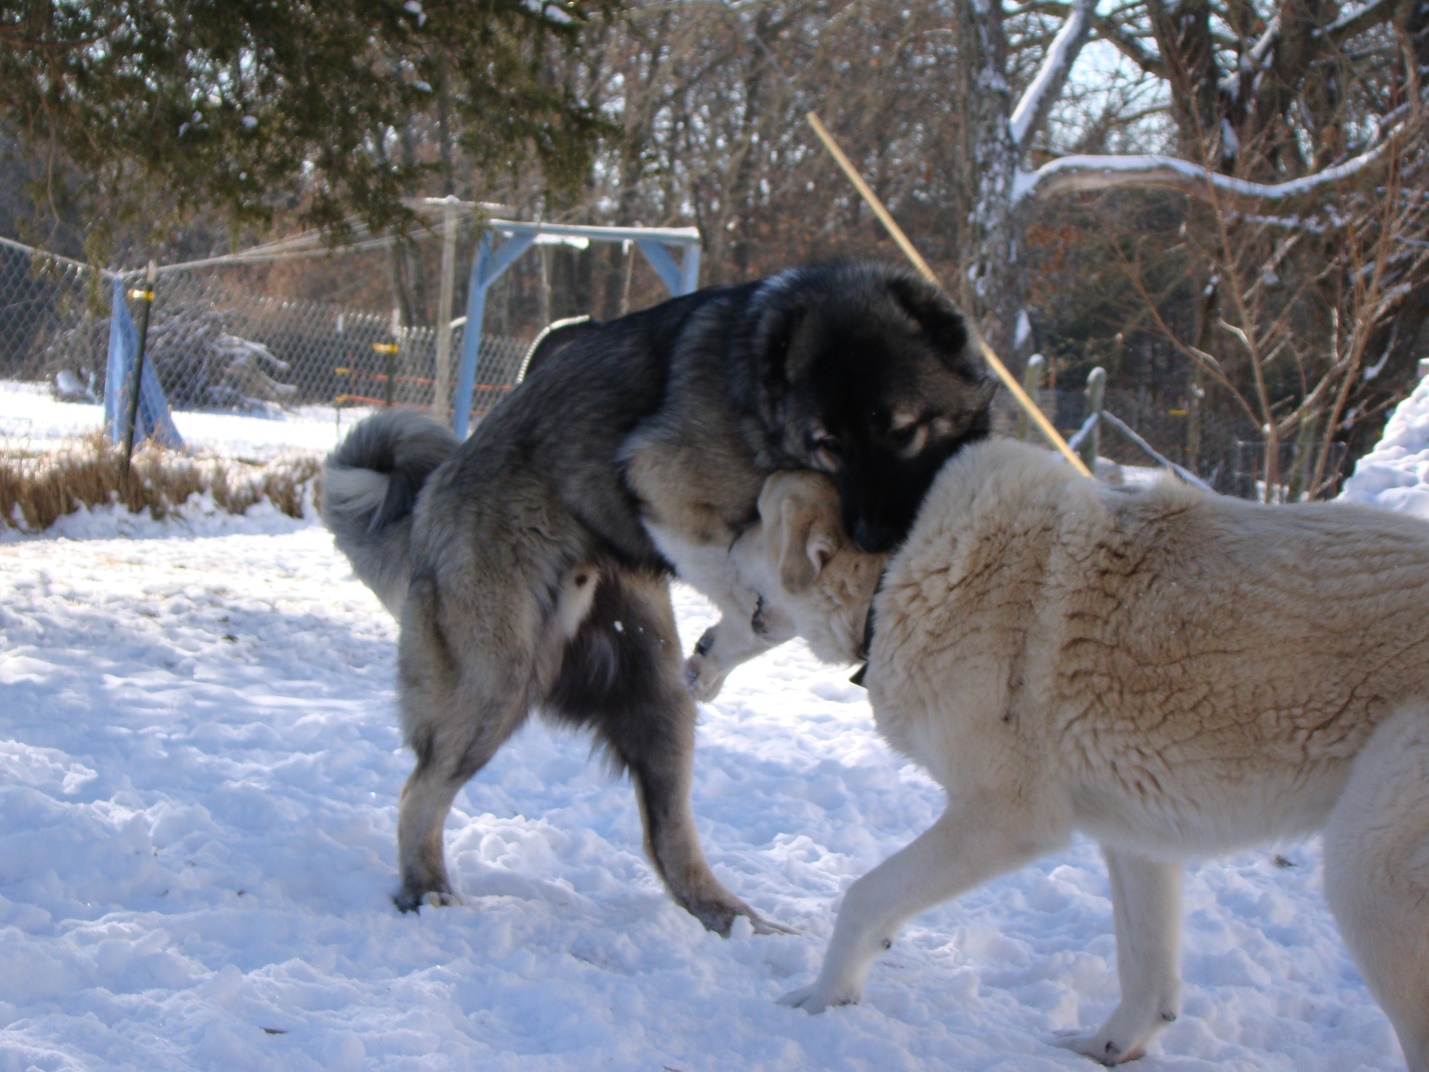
x=702, y=673
x=703, y=685
x=1100, y=1047
x=1127, y=1032
x=815, y=999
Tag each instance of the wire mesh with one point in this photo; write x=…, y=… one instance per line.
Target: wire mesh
x=1294, y=473
x=217, y=345
x=53, y=320
x=1218, y=457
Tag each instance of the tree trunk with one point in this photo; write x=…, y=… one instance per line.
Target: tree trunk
x=993, y=286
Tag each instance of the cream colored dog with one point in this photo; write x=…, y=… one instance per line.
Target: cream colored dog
x=1172, y=673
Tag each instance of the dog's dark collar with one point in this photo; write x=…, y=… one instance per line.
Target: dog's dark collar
x=867, y=644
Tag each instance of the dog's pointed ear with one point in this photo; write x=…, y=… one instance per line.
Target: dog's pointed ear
x=808, y=538
x=821, y=547
x=935, y=313
x=797, y=570
x=760, y=379
x=985, y=390
x=779, y=329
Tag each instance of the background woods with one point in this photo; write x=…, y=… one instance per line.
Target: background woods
x=1222, y=203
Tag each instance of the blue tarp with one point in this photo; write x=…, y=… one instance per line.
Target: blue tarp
x=153, y=419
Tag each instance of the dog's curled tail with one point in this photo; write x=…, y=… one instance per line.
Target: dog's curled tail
x=369, y=489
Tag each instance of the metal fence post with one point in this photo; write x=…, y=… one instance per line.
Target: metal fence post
x=388, y=350
x=1031, y=383
x=123, y=372
x=1096, y=391
x=471, y=335
x=441, y=394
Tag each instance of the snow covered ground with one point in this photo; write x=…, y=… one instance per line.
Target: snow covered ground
x=31, y=419
x=199, y=767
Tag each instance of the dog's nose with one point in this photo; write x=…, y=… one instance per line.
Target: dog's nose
x=873, y=536
x=758, y=624
x=706, y=641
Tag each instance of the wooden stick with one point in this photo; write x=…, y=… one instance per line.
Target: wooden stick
x=910, y=251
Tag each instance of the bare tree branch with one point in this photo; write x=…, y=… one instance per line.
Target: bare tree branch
x=1081, y=174
x=1111, y=31
x=1031, y=111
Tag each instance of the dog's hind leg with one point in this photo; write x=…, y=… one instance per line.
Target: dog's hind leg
x=622, y=676
x=443, y=767
x=1146, y=904
x=662, y=772
x=455, y=716
x=1377, y=874
x=426, y=799
x=972, y=842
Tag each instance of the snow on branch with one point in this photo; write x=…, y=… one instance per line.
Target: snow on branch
x=1076, y=174
x=1359, y=20
x=1031, y=111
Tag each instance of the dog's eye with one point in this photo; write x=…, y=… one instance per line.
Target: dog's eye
x=825, y=452
x=909, y=439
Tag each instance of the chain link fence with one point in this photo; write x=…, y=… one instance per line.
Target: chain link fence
x=1166, y=428
x=1294, y=469
x=217, y=345
x=53, y=319
x=1230, y=455
x=1219, y=459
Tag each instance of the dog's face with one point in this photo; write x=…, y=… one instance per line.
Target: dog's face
x=819, y=580
x=866, y=375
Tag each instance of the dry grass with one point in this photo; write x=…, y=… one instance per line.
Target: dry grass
x=38, y=487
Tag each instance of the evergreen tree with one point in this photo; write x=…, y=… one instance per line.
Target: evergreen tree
x=254, y=108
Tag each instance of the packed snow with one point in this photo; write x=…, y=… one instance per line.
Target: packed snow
x=199, y=769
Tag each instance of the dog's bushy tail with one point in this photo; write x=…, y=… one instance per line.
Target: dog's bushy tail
x=369, y=489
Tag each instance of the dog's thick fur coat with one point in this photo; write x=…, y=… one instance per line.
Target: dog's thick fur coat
x=529, y=565
x=1174, y=674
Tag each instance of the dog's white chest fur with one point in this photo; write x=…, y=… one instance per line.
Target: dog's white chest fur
x=705, y=567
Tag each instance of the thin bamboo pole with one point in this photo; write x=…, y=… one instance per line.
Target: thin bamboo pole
x=910, y=251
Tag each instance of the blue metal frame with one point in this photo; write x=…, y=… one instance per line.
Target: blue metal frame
x=488, y=266
x=491, y=261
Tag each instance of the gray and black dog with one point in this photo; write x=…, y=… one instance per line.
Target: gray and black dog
x=529, y=565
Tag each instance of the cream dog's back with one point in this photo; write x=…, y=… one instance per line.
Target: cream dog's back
x=1196, y=669
x=1173, y=673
